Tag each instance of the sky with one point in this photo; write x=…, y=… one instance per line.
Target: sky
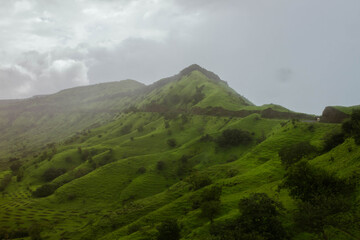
x=301, y=54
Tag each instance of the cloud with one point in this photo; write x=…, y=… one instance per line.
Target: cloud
x=37, y=73
x=15, y=81
x=62, y=43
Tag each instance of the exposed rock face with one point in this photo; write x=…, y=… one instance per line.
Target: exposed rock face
x=332, y=115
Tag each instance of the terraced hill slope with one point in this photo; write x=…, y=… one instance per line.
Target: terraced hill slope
x=153, y=159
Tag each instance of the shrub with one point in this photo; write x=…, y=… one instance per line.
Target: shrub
x=85, y=155
x=232, y=173
x=351, y=127
x=81, y=172
x=308, y=183
x=199, y=180
x=141, y=170
x=332, y=140
x=52, y=173
x=234, y=137
x=133, y=228
x=160, y=165
x=210, y=209
x=35, y=231
x=294, y=153
x=323, y=196
x=259, y=216
x=5, y=182
x=259, y=220
x=106, y=159
x=15, y=166
x=126, y=129
x=140, y=129
x=68, y=159
x=168, y=230
x=45, y=190
x=206, y=138
x=171, y=142
x=19, y=175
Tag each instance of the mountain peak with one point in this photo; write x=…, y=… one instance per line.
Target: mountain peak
x=196, y=67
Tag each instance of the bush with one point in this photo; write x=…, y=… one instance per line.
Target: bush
x=5, y=182
x=294, y=153
x=332, y=140
x=234, y=137
x=19, y=175
x=141, y=170
x=52, y=173
x=323, y=196
x=259, y=220
x=169, y=230
x=15, y=166
x=308, y=183
x=210, y=209
x=35, y=231
x=199, y=180
x=140, y=129
x=171, y=142
x=81, y=172
x=106, y=159
x=160, y=165
x=208, y=195
x=206, y=138
x=126, y=129
x=259, y=216
x=45, y=190
x=351, y=127
x=85, y=155
x=68, y=159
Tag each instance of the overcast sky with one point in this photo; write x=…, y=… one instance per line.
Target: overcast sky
x=302, y=54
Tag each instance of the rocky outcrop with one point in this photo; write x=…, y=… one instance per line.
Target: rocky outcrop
x=333, y=115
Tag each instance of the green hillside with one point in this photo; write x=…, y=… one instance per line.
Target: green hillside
x=187, y=148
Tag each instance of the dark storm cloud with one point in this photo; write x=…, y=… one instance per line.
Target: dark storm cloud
x=302, y=54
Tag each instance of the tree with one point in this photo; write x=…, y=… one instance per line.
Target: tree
x=15, y=166
x=259, y=216
x=332, y=140
x=234, y=137
x=171, y=142
x=294, y=153
x=259, y=220
x=351, y=127
x=308, y=183
x=52, y=173
x=210, y=209
x=35, y=231
x=45, y=190
x=141, y=170
x=199, y=180
x=321, y=196
x=160, y=165
x=5, y=182
x=169, y=230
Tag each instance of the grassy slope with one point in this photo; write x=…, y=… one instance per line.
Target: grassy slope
x=347, y=110
x=28, y=124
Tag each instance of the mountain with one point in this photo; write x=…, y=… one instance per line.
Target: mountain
x=26, y=125
x=117, y=160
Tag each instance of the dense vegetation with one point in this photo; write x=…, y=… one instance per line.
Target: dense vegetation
x=182, y=161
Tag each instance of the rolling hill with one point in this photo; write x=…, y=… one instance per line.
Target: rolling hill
x=117, y=160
